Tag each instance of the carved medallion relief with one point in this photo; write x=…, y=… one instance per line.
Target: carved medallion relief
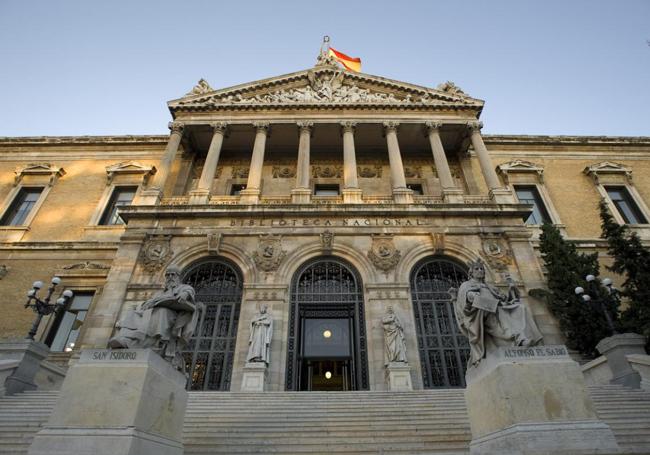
x=383, y=253
x=269, y=253
x=155, y=252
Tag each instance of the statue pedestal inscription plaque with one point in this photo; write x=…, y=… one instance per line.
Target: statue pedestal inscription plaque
x=117, y=402
x=533, y=401
x=254, y=379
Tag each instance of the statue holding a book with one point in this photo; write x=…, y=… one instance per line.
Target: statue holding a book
x=490, y=318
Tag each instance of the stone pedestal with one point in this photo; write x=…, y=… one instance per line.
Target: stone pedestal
x=352, y=196
x=199, y=197
x=502, y=196
x=641, y=364
x=615, y=349
x=27, y=355
x=402, y=196
x=533, y=401
x=254, y=379
x=399, y=377
x=453, y=195
x=300, y=195
x=148, y=197
x=117, y=402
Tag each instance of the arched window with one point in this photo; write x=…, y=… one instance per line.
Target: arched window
x=327, y=346
x=443, y=349
x=209, y=355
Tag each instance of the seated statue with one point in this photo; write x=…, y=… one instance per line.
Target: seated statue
x=489, y=318
x=164, y=323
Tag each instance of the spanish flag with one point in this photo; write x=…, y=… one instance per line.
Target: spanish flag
x=350, y=63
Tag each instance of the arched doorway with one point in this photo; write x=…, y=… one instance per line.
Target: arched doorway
x=443, y=349
x=209, y=355
x=327, y=347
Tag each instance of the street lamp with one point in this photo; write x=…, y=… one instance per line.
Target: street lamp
x=43, y=307
x=606, y=284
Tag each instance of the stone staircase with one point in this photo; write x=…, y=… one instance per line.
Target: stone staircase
x=419, y=422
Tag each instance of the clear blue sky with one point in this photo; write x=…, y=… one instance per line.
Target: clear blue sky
x=108, y=67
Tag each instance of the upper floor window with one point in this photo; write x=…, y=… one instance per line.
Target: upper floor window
x=122, y=196
x=326, y=190
x=530, y=195
x=236, y=189
x=21, y=206
x=67, y=324
x=416, y=188
x=625, y=205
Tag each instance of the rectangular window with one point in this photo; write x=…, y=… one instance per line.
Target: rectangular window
x=63, y=335
x=416, y=188
x=236, y=189
x=122, y=195
x=625, y=205
x=21, y=206
x=326, y=190
x=530, y=195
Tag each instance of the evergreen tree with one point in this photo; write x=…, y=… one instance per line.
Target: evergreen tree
x=632, y=260
x=583, y=323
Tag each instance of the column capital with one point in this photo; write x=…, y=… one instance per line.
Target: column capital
x=219, y=127
x=390, y=125
x=348, y=126
x=262, y=127
x=176, y=127
x=305, y=126
x=433, y=127
x=475, y=126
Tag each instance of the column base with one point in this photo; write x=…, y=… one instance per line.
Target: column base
x=616, y=349
x=148, y=197
x=27, y=355
x=300, y=196
x=548, y=438
x=399, y=377
x=199, y=197
x=352, y=196
x=249, y=196
x=254, y=379
x=453, y=195
x=502, y=196
x=402, y=196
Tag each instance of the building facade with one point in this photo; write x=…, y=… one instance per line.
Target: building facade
x=326, y=195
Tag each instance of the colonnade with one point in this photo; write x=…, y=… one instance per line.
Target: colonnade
x=351, y=191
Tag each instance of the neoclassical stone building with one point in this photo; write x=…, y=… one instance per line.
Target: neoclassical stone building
x=325, y=194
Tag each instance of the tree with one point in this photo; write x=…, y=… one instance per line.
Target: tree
x=632, y=260
x=582, y=323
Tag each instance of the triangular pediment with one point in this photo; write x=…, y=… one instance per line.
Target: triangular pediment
x=325, y=86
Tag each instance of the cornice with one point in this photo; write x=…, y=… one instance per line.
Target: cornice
x=84, y=140
x=517, y=139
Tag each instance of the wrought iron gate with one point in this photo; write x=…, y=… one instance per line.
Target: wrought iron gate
x=209, y=355
x=443, y=349
x=327, y=288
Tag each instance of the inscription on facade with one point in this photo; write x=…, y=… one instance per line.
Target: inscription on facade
x=352, y=222
x=535, y=352
x=106, y=355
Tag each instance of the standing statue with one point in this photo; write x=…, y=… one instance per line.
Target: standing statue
x=164, y=323
x=491, y=319
x=394, y=345
x=259, y=349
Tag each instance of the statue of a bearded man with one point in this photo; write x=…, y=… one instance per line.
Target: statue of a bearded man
x=164, y=323
x=489, y=318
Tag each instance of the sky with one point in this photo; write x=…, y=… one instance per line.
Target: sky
x=85, y=67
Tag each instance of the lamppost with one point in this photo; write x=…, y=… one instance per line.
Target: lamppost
x=43, y=307
x=606, y=284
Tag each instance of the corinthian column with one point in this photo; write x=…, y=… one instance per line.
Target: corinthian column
x=201, y=195
x=251, y=195
x=301, y=194
x=152, y=195
x=401, y=194
x=351, y=191
x=450, y=192
x=497, y=192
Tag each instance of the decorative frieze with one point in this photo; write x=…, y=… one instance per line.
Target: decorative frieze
x=327, y=171
x=155, y=252
x=383, y=253
x=87, y=265
x=370, y=171
x=283, y=172
x=240, y=172
x=269, y=252
x=413, y=171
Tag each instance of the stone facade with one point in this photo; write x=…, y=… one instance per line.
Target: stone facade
x=240, y=178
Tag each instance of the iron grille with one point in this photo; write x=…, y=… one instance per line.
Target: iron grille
x=210, y=352
x=443, y=349
x=325, y=288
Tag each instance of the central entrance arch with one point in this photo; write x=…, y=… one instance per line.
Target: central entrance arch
x=327, y=346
